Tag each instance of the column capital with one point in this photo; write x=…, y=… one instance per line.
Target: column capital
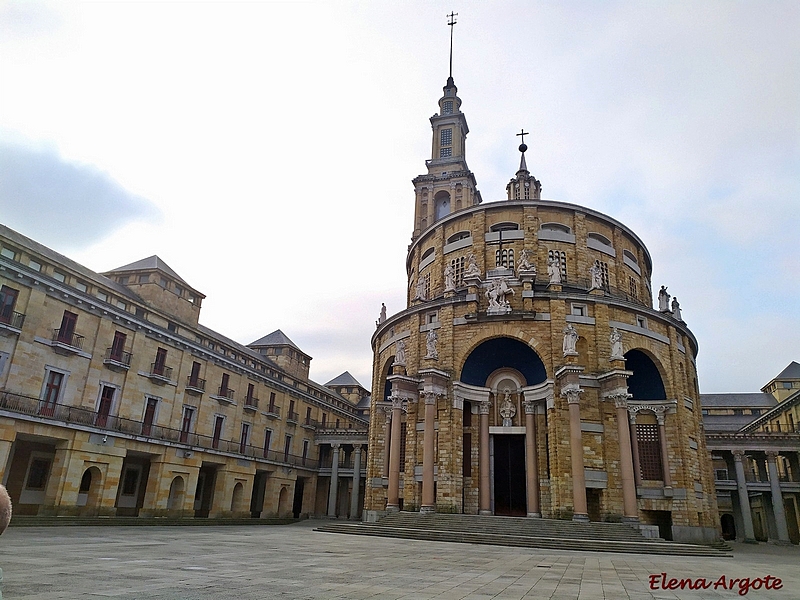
x=430, y=397
x=619, y=395
x=336, y=445
x=358, y=448
x=772, y=455
x=738, y=455
x=572, y=392
x=484, y=406
x=529, y=406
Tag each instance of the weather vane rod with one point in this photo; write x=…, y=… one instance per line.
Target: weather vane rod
x=451, y=21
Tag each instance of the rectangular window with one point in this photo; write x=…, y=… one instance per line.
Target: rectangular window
x=149, y=416
x=267, y=439
x=218, y=422
x=445, y=152
x=603, y=266
x=67, y=329
x=8, y=300
x=305, y=451
x=324, y=419
x=579, y=310
x=118, y=346
x=161, y=361
x=271, y=402
x=223, y=388
x=561, y=258
x=649, y=451
x=291, y=414
x=144, y=278
x=81, y=287
x=130, y=482
x=244, y=438
x=8, y=253
x=447, y=137
x=38, y=471
x=251, y=388
x=308, y=415
x=59, y=276
x=467, y=450
x=633, y=288
x=186, y=423
x=52, y=392
x=36, y=266
x=104, y=408
x=287, y=446
x=194, y=377
x=457, y=264
x=447, y=107
x=102, y=296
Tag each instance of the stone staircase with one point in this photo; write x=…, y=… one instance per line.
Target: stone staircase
x=521, y=532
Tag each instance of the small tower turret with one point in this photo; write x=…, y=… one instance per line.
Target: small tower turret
x=524, y=186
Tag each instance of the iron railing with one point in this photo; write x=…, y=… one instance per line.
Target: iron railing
x=195, y=383
x=14, y=319
x=68, y=338
x=155, y=433
x=159, y=370
x=118, y=356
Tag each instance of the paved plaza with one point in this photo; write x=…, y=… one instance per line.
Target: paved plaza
x=293, y=561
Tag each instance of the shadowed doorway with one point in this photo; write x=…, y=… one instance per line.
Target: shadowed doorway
x=509, y=475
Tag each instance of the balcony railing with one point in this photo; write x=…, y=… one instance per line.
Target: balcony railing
x=274, y=411
x=195, y=385
x=251, y=402
x=13, y=320
x=63, y=413
x=310, y=423
x=292, y=417
x=117, y=358
x=160, y=372
x=224, y=394
x=66, y=338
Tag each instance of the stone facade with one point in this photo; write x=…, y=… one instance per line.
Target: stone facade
x=114, y=400
x=536, y=376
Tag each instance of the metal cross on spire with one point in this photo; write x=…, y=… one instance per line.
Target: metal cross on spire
x=522, y=133
x=451, y=21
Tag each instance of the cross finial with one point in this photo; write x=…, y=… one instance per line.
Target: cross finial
x=522, y=133
x=451, y=21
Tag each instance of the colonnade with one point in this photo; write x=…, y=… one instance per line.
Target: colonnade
x=333, y=490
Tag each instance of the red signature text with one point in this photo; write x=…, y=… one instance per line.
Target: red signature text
x=743, y=585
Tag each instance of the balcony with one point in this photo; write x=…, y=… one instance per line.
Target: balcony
x=250, y=403
x=117, y=359
x=66, y=342
x=224, y=395
x=12, y=322
x=195, y=385
x=311, y=424
x=160, y=374
x=292, y=418
x=274, y=411
x=61, y=413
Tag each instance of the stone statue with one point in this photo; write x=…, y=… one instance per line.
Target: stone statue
x=570, y=339
x=400, y=353
x=554, y=271
x=663, y=299
x=507, y=409
x=497, y=294
x=597, y=277
x=420, y=295
x=616, y=345
x=676, y=309
x=382, y=317
x=430, y=343
x=449, y=281
x=472, y=269
x=524, y=262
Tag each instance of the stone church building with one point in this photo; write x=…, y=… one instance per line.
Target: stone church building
x=529, y=373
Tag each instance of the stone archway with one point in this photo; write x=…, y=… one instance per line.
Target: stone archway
x=176, y=494
x=90, y=492
x=236, y=497
x=283, y=502
x=646, y=382
x=502, y=352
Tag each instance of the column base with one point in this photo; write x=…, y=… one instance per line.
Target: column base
x=332, y=517
x=630, y=520
x=535, y=515
x=779, y=542
x=390, y=508
x=749, y=541
x=485, y=512
x=580, y=517
x=427, y=510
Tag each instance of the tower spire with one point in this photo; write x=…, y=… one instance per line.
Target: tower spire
x=524, y=186
x=451, y=21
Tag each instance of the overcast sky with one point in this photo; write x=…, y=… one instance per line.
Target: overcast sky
x=265, y=150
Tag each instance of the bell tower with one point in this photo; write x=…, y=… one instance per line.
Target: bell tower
x=449, y=185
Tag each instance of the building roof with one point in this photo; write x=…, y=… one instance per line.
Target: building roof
x=749, y=400
x=344, y=379
x=151, y=263
x=792, y=371
x=276, y=338
x=791, y=401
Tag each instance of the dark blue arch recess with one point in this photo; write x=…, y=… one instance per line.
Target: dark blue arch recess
x=502, y=352
x=645, y=383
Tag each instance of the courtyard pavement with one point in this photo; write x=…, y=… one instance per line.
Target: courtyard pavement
x=293, y=561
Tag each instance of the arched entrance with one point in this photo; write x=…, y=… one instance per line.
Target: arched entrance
x=503, y=368
x=90, y=491
x=175, y=499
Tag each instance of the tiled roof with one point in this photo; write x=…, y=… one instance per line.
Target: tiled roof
x=750, y=400
x=344, y=379
x=792, y=371
x=148, y=264
x=276, y=338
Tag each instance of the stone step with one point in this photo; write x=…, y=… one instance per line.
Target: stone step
x=28, y=521
x=642, y=546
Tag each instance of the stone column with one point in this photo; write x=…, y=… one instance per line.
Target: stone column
x=387, y=442
x=744, y=498
x=356, y=483
x=573, y=391
x=662, y=438
x=777, y=498
x=393, y=498
x=531, y=459
x=630, y=511
x=429, y=435
x=334, y=489
x=485, y=496
x=637, y=468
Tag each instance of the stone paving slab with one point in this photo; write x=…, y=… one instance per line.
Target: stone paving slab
x=295, y=562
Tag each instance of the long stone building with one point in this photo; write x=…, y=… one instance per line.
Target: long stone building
x=529, y=373
x=115, y=400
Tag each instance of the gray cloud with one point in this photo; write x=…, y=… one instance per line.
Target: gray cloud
x=69, y=205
